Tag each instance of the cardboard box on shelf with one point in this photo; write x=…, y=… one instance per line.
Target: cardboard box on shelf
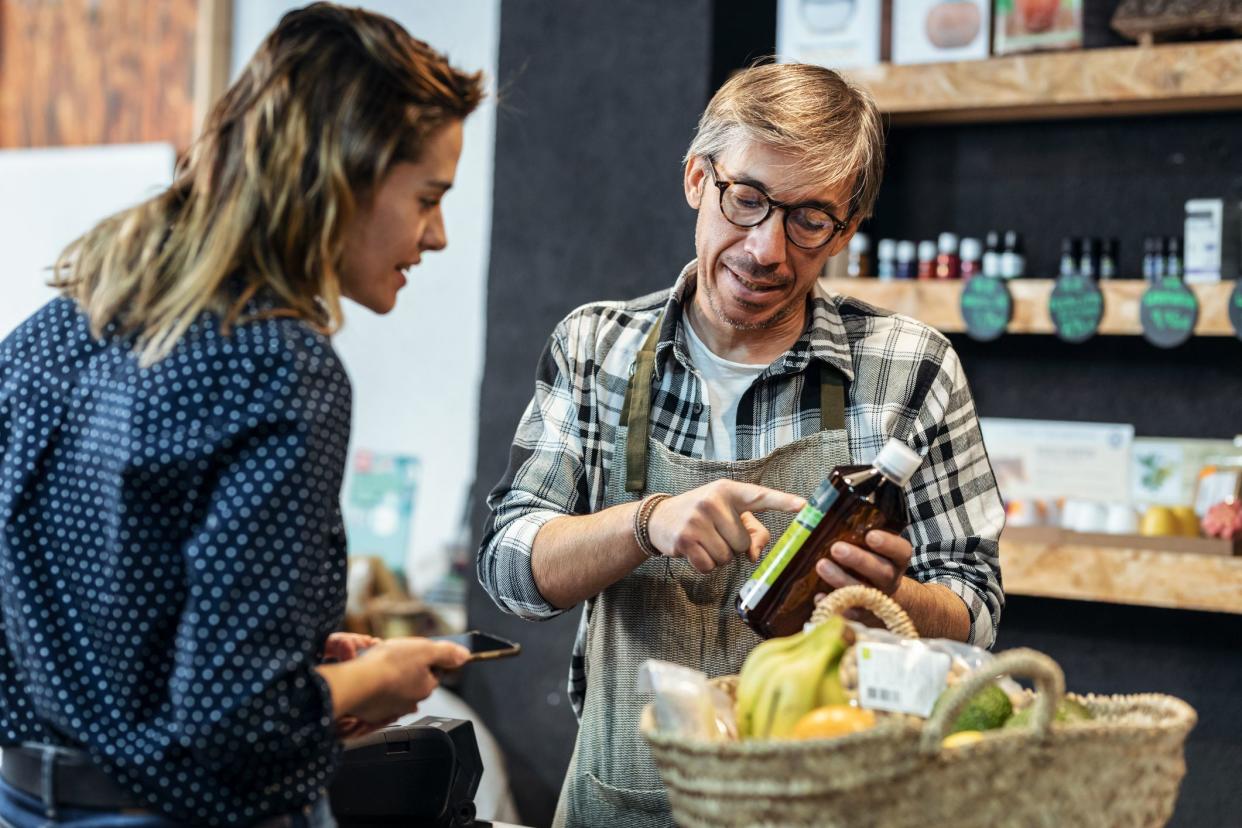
x=1036, y=25
x=839, y=34
x=929, y=31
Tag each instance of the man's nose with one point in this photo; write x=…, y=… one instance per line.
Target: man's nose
x=766, y=241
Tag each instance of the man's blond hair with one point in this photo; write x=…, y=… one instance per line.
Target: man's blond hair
x=831, y=126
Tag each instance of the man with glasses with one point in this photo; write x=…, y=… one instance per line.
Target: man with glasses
x=670, y=437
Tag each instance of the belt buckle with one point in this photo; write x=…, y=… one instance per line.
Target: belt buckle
x=48, y=754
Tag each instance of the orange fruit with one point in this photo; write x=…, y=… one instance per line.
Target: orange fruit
x=832, y=720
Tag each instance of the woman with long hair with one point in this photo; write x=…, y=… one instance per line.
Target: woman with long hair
x=174, y=431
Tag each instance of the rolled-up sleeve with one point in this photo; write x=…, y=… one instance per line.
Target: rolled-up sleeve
x=545, y=480
x=956, y=511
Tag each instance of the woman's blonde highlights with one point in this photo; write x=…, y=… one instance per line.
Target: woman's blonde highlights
x=329, y=103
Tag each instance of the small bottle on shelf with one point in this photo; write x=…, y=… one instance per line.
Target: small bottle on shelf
x=1173, y=257
x=907, y=267
x=1069, y=257
x=971, y=253
x=927, y=260
x=884, y=255
x=948, y=266
x=991, y=254
x=1086, y=265
x=859, y=263
x=1108, y=259
x=1013, y=259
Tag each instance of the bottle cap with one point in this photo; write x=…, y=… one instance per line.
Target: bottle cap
x=905, y=251
x=992, y=240
x=897, y=461
x=948, y=243
x=927, y=251
x=860, y=243
x=886, y=249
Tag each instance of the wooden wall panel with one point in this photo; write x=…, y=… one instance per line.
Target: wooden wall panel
x=76, y=72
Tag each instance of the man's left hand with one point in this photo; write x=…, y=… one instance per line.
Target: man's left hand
x=881, y=564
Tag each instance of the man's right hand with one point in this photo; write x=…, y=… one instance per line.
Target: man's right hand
x=710, y=525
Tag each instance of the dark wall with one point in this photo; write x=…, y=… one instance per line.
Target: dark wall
x=600, y=102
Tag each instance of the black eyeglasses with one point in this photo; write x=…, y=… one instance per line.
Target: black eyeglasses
x=746, y=205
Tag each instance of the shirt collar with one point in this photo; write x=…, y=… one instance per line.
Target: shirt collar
x=823, y=339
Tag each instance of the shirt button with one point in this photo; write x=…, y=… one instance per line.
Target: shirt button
x=698, y=408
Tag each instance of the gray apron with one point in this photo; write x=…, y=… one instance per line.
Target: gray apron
x=665, y=609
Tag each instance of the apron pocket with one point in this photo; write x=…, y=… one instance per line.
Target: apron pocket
x=649, y=800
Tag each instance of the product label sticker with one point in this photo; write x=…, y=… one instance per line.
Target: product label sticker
x=900, y=679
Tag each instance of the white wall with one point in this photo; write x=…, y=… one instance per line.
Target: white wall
x=49, y=197
x=416, y=371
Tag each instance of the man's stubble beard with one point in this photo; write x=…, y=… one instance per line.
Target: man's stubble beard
x=780, y=315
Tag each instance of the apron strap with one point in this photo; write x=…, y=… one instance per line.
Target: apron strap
x=636, y=411
x=831, y=398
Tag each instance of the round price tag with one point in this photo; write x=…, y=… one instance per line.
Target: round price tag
x=986, y=307
x=1076, y=307
x=1168, y=313
x=1235, y=308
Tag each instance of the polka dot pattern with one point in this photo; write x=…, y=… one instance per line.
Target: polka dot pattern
x=173, y=556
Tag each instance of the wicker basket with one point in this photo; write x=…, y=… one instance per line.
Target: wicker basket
x=1123, y=768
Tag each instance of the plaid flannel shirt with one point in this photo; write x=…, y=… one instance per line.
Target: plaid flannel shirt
x=904, y=380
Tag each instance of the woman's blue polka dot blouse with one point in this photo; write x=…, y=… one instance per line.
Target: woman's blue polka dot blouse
x=172, y=557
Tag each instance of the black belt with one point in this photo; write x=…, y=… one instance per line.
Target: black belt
x=62, y=777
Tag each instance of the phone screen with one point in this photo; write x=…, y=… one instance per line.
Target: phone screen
x=482, y=645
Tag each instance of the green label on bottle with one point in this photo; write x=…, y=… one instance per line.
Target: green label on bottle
x=782, y=553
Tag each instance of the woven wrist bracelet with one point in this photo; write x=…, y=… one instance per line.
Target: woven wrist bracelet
x=642, y=523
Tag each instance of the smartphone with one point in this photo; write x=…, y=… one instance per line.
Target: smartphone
x=483, y=646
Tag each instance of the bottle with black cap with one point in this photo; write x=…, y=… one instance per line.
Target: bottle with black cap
x=1086, y=264
x=1108, y=259
x=1069, y=257
x=1173, y=257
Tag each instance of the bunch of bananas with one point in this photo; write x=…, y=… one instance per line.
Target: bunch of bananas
x=784, y=678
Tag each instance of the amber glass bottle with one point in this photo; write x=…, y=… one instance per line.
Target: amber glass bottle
x=780, y=596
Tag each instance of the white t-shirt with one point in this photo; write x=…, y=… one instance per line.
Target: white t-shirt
x=726, y=382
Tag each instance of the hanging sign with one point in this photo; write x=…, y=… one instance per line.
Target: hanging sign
x=1168, y=312
x=986, y=307
x=1076, y=307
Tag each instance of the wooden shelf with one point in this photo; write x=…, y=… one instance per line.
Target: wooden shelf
x=1132, y=80
x=1063, y=568
x=937, y=304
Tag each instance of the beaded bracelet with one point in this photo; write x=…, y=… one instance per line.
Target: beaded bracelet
x=642, y=523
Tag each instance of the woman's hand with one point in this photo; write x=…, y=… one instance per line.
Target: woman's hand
x=389, y=679
x=342, y=646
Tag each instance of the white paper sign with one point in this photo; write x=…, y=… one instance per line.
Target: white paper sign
x=1049, y=459
x=900, y=679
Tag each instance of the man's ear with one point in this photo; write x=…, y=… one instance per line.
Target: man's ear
x=694, y=180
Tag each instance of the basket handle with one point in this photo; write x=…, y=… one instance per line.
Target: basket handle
x=857, y=596
x=1049, y=688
